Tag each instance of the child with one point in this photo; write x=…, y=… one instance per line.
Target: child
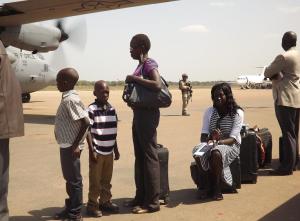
x=102, y=143
x=71, y=124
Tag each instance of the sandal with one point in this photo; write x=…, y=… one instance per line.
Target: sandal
x=139, y=210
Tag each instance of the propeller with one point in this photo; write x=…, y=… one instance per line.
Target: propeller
x=73, y=36
x=64, y=35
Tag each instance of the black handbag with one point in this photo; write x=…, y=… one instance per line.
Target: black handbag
x=136, y=95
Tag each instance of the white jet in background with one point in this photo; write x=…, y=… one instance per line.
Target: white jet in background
x=256, y=81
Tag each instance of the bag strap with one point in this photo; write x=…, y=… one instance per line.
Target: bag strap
x=161, y=77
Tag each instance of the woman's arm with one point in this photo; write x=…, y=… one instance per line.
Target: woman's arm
x=154, y=83
x=228, y=141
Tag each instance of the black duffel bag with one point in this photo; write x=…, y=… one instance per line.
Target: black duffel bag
x=136, y=95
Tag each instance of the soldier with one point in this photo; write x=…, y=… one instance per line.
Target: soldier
x=186, y=90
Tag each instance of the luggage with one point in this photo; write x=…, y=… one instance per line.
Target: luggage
x=280, y=149
x=163, y=156
x=235, y=168
x=248, y=157
x=202, y=180
x=266, y=137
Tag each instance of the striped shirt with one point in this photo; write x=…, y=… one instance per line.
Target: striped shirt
x=104, y=121
x=67, y=120
x=230, y=127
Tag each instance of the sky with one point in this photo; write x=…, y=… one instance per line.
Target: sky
x=209, y=40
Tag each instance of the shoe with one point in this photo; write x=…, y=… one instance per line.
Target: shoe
x=280, y=173
x=93, y=212
x=109, y=207
x=218, y=196
x=185, y=114
x=132, y=203
x=77, y=218
x=153, y=210
x=139, y=210
x=142, y=210
x=61, y=215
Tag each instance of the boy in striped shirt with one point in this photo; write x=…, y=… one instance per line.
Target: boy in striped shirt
x=103, y=146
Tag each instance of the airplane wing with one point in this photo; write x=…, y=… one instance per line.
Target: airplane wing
x=30, y=11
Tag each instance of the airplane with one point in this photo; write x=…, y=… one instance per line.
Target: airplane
x=19, y=30
x=257, y=81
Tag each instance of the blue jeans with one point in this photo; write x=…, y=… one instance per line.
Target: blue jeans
x=71, y=172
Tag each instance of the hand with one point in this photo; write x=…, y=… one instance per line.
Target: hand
x=216, y=134
x=117, y=154
x=130, y=78
x=76, y=152
x=276, y=77
x=93, y=156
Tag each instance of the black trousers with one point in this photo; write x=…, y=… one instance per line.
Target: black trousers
x=288, y=119
x=147, y=172
x=4, y=177
x=71, y=172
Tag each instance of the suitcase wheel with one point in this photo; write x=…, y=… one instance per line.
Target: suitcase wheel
x=254, y=181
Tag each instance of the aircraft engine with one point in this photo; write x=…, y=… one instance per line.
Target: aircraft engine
x=33, y=37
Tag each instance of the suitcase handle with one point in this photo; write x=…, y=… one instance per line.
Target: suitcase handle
x=159, y=146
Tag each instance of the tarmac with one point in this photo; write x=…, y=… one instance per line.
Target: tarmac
x=37, y=188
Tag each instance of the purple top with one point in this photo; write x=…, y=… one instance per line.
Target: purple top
x=147, y=67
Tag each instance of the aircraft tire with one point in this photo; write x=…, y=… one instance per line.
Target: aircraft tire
x=26, y=98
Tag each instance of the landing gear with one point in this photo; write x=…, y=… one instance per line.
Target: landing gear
x=26, y=98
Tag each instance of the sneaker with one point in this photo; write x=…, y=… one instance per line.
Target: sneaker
x=109, y=207
x=93, y=212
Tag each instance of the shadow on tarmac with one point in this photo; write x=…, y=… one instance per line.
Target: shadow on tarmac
x=171, y=115
x=39, y=119
x=37, y=215
x=288, y=211
x=183, y=196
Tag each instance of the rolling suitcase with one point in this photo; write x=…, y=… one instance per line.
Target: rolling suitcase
x=280, y=149
x=202, y=180
x=163, y=156
x=248, y=157
x=266, y=137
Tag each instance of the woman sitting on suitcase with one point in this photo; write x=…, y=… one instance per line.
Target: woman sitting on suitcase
x=222, y=124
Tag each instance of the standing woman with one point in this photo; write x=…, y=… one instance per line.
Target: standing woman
x=144, y=135
x=222, y=124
